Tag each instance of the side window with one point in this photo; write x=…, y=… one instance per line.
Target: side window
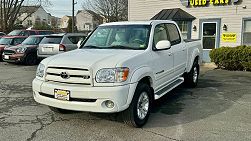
x=174, y=34
x=160, y=33
x=74, y=39
x=25, y=33
x=18, y=41
x=32, y=33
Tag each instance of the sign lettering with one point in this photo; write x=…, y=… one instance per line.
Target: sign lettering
x=229, y=37
x=195, y=3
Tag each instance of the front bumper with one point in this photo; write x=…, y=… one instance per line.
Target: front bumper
x=119, y=95
x=14, y=58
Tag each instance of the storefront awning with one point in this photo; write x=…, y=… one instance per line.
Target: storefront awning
x=176, y=14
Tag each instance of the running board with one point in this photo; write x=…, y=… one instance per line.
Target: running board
x=170, y=87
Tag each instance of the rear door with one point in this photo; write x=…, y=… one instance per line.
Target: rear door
x=50, y=45
x=178, y=48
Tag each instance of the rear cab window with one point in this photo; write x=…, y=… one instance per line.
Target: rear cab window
x=52, y=40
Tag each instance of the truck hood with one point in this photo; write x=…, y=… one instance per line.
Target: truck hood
x=90, y=58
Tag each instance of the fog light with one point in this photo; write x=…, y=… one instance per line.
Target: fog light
x=109, y=104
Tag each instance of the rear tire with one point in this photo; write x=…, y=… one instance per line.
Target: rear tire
x=61, y=111
x=139, y=110
x=31, y=59
x=191, y=78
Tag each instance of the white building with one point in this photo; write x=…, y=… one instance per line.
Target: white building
x=64, y=21
x=30, y=15
x=87, y=20
x=217, y=22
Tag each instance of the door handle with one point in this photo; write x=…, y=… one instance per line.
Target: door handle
x=170, y=54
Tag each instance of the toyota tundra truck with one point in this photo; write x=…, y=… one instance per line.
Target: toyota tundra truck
x=121, y=67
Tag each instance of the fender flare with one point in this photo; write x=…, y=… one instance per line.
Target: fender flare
x=137, y=75
x=195, y=53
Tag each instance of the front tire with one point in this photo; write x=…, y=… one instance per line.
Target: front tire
x=31, y=59
x=139, y=110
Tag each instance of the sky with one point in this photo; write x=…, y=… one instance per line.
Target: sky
x=59, y=8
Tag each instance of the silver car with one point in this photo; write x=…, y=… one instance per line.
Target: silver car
x=59, y=43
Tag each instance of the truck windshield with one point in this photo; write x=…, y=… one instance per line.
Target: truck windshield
x=119, y=37
x=32, y=41
x=5, y=41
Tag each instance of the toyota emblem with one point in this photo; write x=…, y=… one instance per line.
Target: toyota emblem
x=64, y=75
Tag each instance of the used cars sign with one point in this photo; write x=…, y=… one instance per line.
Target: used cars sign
x=206, y=2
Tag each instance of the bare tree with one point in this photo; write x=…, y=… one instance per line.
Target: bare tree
x=10, y=10
x=112, y=10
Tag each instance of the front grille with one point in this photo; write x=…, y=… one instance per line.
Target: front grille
x=71, y=75
x=9, y=52
x=71, y=99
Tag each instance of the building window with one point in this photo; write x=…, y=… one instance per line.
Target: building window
x=247, y=32
x=29, y=22
x=185, y=28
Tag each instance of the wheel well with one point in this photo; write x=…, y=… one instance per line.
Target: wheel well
x=196, y=58
x=148, y=80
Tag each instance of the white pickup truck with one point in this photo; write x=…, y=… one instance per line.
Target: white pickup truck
x=121, y=67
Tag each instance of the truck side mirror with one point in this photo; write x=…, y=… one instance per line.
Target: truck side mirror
x=162, y=45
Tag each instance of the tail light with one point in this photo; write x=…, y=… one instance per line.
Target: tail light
x=62, y=47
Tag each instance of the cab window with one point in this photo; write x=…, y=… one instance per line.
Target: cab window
x=160, y=34
x=173, y=33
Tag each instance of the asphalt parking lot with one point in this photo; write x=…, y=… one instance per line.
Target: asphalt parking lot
x=218, y=109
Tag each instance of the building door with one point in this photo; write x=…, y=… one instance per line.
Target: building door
x=210, y=36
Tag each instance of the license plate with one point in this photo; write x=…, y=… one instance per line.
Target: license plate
x=6, y=57
x=62, y=94
x=47, y=49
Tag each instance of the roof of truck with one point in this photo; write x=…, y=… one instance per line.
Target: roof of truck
x=136, y=22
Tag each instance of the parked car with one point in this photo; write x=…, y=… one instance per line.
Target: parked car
x=59, y=43
x=30, y=32
x=25, y=53
x=2, y=34
x=121, y=67
x=8, y=41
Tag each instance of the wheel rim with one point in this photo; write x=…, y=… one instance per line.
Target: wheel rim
x=195, y=74
x=143, y=105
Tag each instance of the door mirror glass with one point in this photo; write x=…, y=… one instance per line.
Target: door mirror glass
x=162, y=45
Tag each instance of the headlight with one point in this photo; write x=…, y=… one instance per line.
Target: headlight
x=21, y=49
x=112, y=75
x=40, y=70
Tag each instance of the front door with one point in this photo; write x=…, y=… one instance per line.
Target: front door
x=210, y=35
x=162, y=60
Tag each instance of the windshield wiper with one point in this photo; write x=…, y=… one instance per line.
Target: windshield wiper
x=92, y=47
x=122, y=47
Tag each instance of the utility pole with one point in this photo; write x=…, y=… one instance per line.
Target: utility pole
x=73, y=19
